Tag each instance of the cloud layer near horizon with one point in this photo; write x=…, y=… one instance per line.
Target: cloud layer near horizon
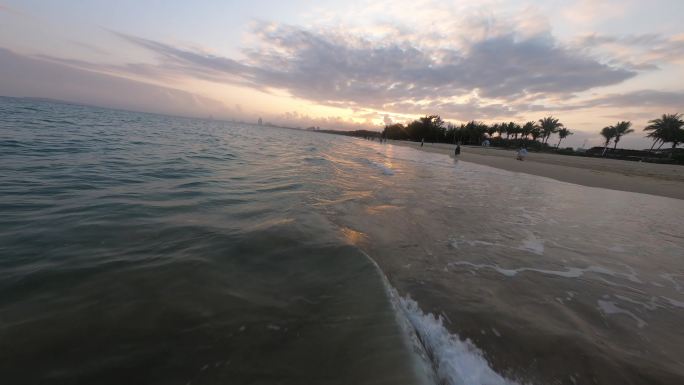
x=487, y=78
x=32, y=77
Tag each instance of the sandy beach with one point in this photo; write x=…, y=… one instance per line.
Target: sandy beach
x=647, y=178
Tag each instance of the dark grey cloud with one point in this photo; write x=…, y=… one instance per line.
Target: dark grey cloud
x=188, y=63
x=635, y=99
x=349, y=71
x=642, y=98
x=506, y=67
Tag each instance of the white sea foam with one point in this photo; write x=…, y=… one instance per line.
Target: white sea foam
x=617, y=248
x=570, y=272
x=456, y=242
x=385, y=170
x=456, y=361
x=441, y=357
x=608, y=308
x=670, y=278
x=652, y=304
x=674, y=302
x=533, y=244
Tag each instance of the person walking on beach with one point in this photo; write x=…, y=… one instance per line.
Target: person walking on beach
x=457, y=150
x=522, y=153
x=422, y=141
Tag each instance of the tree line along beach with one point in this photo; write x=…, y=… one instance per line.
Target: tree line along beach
x=657, y=170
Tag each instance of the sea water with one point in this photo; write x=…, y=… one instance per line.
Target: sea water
x=148, y=249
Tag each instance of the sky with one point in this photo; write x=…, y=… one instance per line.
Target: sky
x=355, y=64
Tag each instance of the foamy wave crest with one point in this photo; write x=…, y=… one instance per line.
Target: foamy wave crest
x=385, y=170
x=455, y=361
x=441, y=357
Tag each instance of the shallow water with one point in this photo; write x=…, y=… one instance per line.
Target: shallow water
x=138, y=248
x=557, y=283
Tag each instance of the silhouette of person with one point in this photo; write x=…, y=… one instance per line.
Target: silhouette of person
x=522, y=153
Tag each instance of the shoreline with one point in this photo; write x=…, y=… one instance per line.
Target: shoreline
x=640, y=177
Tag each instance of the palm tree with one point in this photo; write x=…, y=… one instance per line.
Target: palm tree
x=562, y=134
x=621, y=128
x=608, y=133
x=653, y=135
x=514, y=129
x=549, y=125
x=527, y=129
x=507, y=129
x=500, y=129
x=666, y=129
x=475, y=131
x=535, y=133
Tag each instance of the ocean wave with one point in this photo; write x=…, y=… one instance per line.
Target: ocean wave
x=385, y=170
x=453, y=361
x=456, y=361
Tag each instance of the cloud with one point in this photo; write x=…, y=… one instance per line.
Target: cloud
x=646, y=100
x=472, y=109
x=638, y=52
x=186, y=62
x=28, y=76
x=341, y=69
x=642, y=98
x=595, y=11
x=302, y=120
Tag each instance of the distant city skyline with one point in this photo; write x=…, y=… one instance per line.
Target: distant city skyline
x=355, y=64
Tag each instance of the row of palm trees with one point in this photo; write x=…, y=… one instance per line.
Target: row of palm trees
x=541, y=130
x=432, y=128
x=666, y=129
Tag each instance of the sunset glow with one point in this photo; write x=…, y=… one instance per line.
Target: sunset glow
x=342, y=65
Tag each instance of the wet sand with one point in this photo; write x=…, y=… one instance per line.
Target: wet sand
x=647, y=178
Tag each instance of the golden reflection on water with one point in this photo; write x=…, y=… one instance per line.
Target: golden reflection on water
x=389, y=151
x=353, y=237
x=379, y=209
x=350, y=196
